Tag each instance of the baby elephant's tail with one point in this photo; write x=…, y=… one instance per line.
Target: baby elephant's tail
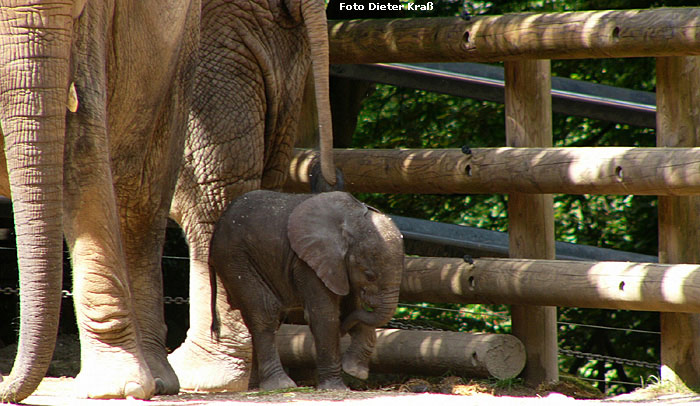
x=215, y=325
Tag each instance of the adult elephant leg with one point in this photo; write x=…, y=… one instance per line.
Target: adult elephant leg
x=34, y=71
x=224, y=158
x=146, y=157
x=143, y=241
x=246, y=101
x=112, y=362
x=201, y=362
x=208, y=181
x=144, y=221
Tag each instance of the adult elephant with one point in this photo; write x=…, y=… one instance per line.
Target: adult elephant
x=241, y=131
x=101, y=172
x=104, y=173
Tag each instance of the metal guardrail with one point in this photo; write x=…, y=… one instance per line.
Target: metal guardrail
x=486, y=82
x=478, y=242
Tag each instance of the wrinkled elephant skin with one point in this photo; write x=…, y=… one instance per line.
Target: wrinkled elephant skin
x=99, y=169
x=337, y=258
x=255, y=58
x=107, y=168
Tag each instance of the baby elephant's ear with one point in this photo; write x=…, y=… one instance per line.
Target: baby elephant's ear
x=316, y=234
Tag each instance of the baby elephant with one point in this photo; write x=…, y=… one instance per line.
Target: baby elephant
x=339, y=259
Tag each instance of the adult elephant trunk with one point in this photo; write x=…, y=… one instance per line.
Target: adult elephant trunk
x=314, y=16
x=35, y=40
x=377, y=317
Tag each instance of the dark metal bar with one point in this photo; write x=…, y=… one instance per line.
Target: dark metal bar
x=485, y=82
x=479, y=243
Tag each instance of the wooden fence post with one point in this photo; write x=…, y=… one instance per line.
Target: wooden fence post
x=530, y=216
x=678, y=125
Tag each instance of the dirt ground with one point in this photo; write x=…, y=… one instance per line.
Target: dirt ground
x=58, y=391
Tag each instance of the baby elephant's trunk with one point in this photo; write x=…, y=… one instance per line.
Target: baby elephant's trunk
x=376, y=317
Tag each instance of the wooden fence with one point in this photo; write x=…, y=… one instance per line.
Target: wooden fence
x=528, y=168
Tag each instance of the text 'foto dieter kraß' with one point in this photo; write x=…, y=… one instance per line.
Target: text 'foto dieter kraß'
x=385, y=7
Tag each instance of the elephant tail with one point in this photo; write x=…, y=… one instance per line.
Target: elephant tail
x=215, y=323
x=314, y=16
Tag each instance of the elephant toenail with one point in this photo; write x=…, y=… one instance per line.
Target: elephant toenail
x=134, y=390
x=160, y=386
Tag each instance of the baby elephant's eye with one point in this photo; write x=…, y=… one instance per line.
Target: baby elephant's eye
x=371, y=276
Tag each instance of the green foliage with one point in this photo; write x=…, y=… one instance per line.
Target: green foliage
x=508, y=383
x=620, y=222
x=405, y=118
x=472, y=318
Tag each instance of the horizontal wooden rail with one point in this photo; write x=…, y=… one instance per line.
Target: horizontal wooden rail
x=481, y=355
x=608, y=285
x=570, y=35
x=581, y=170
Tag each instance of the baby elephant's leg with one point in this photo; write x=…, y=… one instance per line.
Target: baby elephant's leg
x=356, y=357
x=263, y=320
x=271, y=374
x=261, y=311
x=324, y=321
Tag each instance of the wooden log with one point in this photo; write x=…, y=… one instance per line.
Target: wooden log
x=604, y=285
x=570, y=35
x=678, y=94
x=528, y=103
x=480, y=355
x=584, y=170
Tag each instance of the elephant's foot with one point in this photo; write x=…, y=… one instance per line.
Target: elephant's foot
x=163, y=374
x=332, y=384
x=276, y=382
x=355, y=367
x=210, y=368
x=115, y=375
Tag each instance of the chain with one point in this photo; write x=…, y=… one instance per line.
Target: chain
x=627, y=330
x=606, y=382
x=410, y=325
x=605, y=358
x=15, y=291
x=498, y=315
x=176, y=300
x=9, y=291
x=66, y=294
